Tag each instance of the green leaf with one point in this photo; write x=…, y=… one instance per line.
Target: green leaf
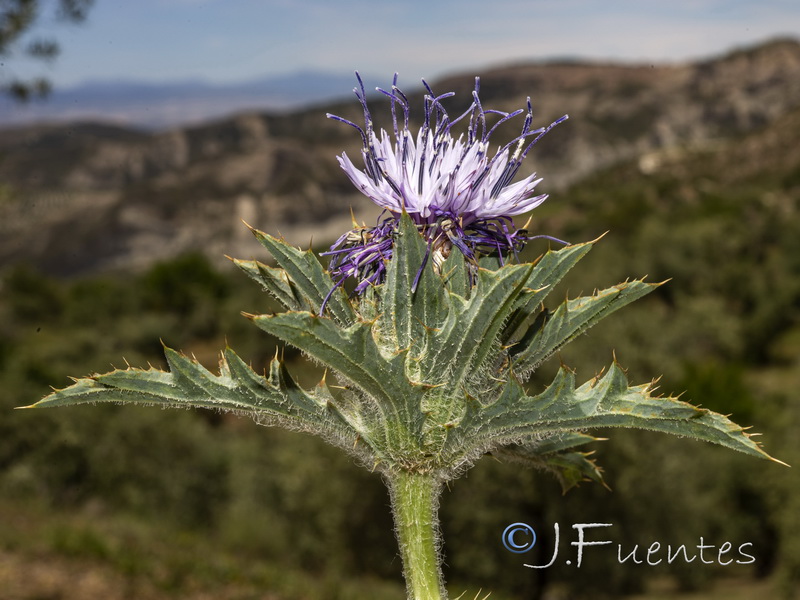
x=407, y=314
x=547, y=272
x=455, y=273
x=570, y=468
x=472, y=326
x=353, y=355
x=561, y=442
x=309, y=278
x=274, y=399
x=555, y=454
x=571, y=319
x=429, y=377
x=350, y=352
x=274, y=281
x=605, y=402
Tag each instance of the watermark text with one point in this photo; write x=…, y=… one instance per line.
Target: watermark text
x=521, y=537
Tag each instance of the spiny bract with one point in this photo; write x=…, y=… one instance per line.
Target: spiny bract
x=432, y=378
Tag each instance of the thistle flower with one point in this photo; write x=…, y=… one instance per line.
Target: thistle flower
x=455, y=191
x=431, y=368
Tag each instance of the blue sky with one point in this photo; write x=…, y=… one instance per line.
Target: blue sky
x=232, y=40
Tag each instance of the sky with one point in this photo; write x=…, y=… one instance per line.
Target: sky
x=223, y=41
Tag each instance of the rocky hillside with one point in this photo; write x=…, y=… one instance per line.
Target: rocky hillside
x=82, y=198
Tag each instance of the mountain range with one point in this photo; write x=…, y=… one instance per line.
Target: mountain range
x=154, y=106
x=82, y=197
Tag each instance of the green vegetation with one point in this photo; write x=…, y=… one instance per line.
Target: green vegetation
x=200, y=501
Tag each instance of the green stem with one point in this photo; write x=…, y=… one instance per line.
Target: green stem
x=415, y=504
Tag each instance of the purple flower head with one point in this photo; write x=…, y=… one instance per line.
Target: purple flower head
x=459, y=194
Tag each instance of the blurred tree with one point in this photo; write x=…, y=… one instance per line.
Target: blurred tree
x=18, y=38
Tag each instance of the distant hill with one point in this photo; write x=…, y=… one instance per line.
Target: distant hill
x=80, y=198
x=170, y=104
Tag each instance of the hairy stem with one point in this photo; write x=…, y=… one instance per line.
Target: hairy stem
x=415, y=502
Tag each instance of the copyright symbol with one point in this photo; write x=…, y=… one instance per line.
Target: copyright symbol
x=519, y=538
